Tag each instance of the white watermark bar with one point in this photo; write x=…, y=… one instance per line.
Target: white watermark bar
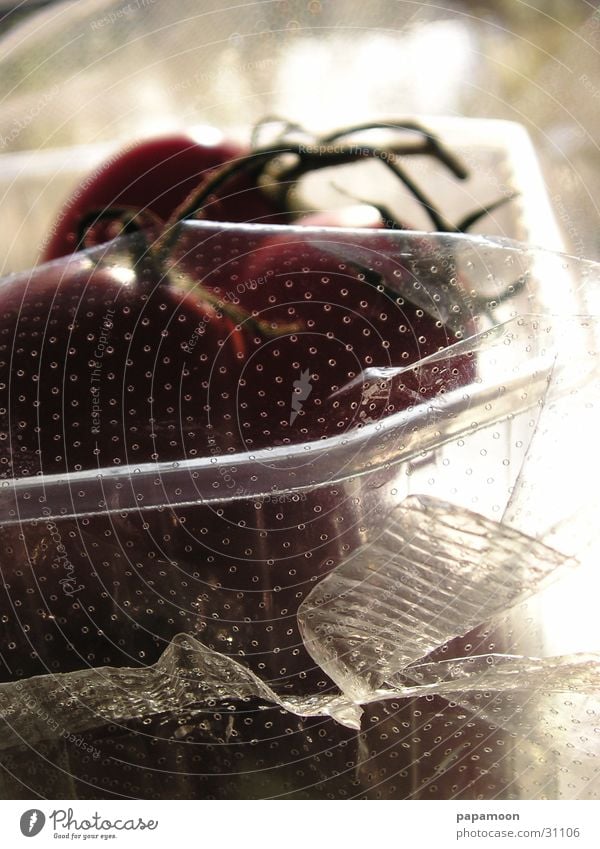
x=278, y=822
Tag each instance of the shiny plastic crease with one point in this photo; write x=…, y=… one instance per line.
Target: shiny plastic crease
x=434, y=573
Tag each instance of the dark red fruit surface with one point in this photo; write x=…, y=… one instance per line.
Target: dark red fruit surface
x=104, y=367
x=240, y=339
x=340, y=305
x=92, y=359
x=407, y=749
x=233, y=340
x=154, y=176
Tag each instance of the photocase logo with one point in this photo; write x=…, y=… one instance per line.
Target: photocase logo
x=32, y=822
x=301, y=391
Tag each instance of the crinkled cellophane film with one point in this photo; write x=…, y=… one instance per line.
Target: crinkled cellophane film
x=245, y=556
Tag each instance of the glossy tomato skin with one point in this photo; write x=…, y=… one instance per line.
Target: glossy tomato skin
x=330, y=325
x=92, y=359
x=106, y=370
x=334, y=323
x=155, y=175
x=117, y=368
x=107, y=367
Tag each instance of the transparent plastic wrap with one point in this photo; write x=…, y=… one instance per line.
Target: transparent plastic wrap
x=268, y=517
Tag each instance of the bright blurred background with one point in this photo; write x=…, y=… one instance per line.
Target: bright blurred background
x=92, y=71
